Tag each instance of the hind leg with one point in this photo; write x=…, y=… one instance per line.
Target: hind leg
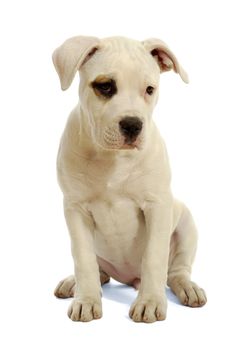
x=66, y=287
x=182, y=253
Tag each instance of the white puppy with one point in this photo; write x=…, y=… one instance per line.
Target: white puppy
x=114, y=172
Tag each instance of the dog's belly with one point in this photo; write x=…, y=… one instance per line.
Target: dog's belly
x=119, y=237
x=126, y=273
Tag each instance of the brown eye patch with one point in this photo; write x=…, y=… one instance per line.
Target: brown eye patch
x=104, y=87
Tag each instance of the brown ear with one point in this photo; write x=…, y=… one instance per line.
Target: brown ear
x=71, y=55
x=165, y=57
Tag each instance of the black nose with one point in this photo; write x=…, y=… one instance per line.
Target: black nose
x=130, y=127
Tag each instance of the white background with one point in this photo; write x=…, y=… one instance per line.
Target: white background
x=196, y=122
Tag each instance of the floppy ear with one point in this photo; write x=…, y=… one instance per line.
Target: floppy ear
x=164, y=57
x=71, y=55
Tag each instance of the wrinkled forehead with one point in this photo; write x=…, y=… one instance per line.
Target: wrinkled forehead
x=121, y=58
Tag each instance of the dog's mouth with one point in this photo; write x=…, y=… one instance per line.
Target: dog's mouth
x=131, y=143
x=124, y=144
x=113, y=140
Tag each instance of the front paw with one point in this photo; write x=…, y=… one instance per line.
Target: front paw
x=85, y=310
x=149, y=309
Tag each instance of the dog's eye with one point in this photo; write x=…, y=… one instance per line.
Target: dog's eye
x=106, y=89
x=149, y=90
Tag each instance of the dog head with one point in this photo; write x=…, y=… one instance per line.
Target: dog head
x=119, y=85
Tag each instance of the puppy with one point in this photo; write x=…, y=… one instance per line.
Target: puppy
x=114, y=172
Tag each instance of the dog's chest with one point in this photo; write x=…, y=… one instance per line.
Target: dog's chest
x=115, y=215
x=118, y=219
x=119, y=228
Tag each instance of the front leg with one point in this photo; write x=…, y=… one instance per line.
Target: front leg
x=151, y=303
x=86, y=305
